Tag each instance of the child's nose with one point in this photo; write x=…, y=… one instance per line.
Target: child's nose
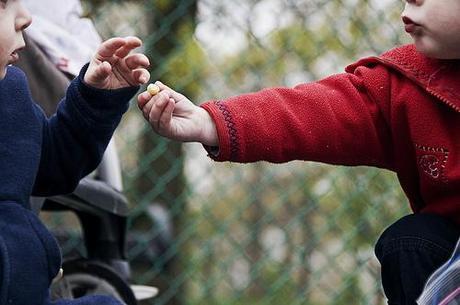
x=24, y=19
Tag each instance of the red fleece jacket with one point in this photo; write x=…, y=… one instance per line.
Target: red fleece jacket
x=399, y=111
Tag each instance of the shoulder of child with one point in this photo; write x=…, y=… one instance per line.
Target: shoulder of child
x=15, y=72
x=404, y=56
x=15, y=80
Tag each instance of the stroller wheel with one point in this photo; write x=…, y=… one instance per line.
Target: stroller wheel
x=83, y=277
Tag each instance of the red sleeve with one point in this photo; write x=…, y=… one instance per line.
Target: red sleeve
x=341, y=119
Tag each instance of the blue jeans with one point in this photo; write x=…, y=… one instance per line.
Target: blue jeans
x=410, y=250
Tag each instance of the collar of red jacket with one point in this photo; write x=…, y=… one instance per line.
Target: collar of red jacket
x=440, y=78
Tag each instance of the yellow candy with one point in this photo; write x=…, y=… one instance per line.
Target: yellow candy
x=153, y=89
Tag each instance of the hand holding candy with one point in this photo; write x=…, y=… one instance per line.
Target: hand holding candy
x=174, y=116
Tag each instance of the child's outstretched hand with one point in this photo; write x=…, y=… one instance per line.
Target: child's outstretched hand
x=174, y=116
x=113, y=66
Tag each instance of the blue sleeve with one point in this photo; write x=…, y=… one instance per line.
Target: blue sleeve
x=75, y=138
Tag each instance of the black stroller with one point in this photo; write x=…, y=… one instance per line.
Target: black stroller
x=98, y=201
x=102, y=212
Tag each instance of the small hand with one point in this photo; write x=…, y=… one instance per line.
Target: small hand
x=113, y=66
x=174, y=116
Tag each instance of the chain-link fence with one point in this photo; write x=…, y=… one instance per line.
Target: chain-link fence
x=222, y=233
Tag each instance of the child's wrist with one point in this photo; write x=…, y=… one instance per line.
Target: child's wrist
x=208, y=134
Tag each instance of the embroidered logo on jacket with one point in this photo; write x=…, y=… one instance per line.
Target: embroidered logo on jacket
x=432, y=161
x=430, y=165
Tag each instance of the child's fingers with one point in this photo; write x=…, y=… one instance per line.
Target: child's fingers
x=109, y=47
x=166, y=116
x=142, y=76
x=146, y=110
x=135, y=61
x=101, y=72
x=131, y=43
x=143, y=99
x=157, y=109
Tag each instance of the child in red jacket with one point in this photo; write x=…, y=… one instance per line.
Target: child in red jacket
x=399, y=111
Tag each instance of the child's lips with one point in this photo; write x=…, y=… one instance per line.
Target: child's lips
x=409, y=25
x=410, y=28
x=14, y=57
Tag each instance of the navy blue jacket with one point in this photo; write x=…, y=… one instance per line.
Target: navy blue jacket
x=43, y=157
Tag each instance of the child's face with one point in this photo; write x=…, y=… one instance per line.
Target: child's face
x=14, y=18
x=435, y=27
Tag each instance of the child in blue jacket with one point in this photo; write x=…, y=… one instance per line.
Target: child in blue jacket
x=44, y=157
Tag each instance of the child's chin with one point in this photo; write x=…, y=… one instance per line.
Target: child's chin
x=427, y=51
x=433, y=50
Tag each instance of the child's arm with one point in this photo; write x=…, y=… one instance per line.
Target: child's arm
x=174, y=116
x=74, y=139
x=342, y=119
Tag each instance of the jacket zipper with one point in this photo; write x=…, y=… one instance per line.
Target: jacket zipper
x=444, y=100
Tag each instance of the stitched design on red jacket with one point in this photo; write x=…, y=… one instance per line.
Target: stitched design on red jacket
x=432, y=161
x=233, y=134
x=430, y=165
